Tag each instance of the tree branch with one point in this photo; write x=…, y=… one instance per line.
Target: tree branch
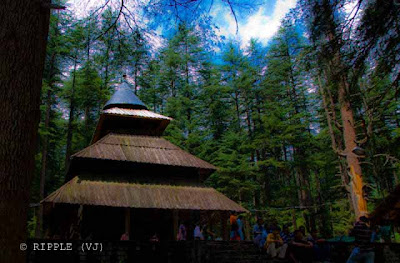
x=114, y=23
x=234, y=15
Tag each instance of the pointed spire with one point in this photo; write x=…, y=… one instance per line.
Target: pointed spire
x=125, y=98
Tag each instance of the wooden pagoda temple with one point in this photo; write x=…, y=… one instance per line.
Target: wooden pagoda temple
x=131, y=180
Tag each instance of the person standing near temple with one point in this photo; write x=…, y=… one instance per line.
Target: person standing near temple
x=198, y=232
x=239, y=222
x=234, y=226
x=181, y=233
x=259, y=233
x=363, y=251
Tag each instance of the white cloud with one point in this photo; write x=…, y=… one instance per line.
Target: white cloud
x=258, y=25
x=353, y=12
x=351, y=8
x=81, y=8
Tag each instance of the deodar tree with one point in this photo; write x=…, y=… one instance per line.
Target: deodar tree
x=23, y=35
x=326, y=34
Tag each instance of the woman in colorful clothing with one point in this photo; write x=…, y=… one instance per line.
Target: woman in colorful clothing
x=234, y=227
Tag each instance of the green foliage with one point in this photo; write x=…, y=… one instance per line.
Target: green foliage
x=342, y=218
x=31, y=226
x=258, y=114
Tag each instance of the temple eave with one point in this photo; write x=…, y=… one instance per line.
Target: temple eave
x=132, y=195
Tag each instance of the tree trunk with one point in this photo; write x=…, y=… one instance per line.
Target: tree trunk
x=88, y=42
x=336, y=143
x=106, y=70
x=294, y=219
x=45, y=142
x=43, y=169
x=248, y=120
x=135, y=76
x=298, y=184
x=71, y=117
x=349, y=135
x=188, y=92
x=88, y=135
x=23, y=37
x=338, y=76
x=237, y=107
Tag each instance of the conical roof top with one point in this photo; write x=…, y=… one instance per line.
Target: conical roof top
x=124, y=97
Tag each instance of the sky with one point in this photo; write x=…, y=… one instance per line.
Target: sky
x=262, y=23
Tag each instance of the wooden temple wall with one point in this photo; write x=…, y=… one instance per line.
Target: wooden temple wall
x=109, y=223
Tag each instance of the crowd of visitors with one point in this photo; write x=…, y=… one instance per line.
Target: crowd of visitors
x=282, y=243
x=299, y=247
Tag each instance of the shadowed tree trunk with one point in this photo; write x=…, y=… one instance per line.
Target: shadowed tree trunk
x=237, y=108
x=336, y=142
x=23, y=36
x=135, y=76
x=349, y=134
x=325, y=28
x=43, y=169
x=71, y=116
x=339, y=75
x=49, y=102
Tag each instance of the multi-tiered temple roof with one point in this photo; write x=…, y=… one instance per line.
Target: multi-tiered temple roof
x=128, y=164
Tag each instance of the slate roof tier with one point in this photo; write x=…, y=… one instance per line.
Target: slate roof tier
x=124, y=97
x=141, y=113
x=141, y=149
x=134, y=121
x=119, y=194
